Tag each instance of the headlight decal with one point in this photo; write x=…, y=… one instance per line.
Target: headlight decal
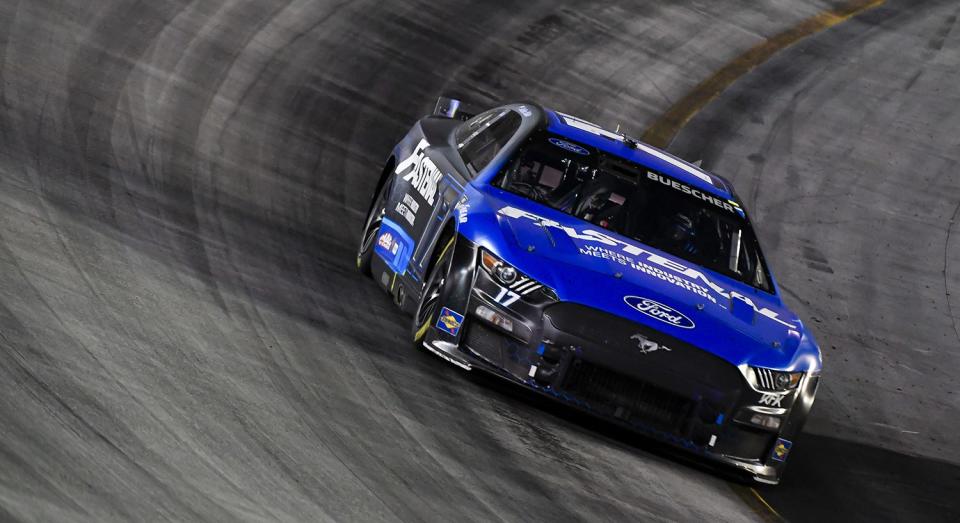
x=775, y=381
x=506, y=275
x=524, y=285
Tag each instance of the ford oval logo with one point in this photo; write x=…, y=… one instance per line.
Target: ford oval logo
x=572, y=147
x=659, y=311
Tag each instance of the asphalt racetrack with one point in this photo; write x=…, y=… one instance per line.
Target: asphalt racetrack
x=183, y=335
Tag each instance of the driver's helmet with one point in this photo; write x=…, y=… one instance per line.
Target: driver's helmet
x=528, y=171
x=681, y=232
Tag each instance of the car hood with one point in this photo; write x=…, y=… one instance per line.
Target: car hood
x=591, y=266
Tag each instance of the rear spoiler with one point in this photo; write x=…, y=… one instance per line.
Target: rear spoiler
x=448, y=107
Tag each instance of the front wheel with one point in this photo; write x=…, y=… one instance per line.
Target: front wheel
x=427, y=308
x=371, y=228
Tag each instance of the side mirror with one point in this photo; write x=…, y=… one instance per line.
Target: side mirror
x=446, y=107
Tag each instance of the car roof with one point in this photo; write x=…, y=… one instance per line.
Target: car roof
x=635, y=151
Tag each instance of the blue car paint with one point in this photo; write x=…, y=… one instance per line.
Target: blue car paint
x=396, y=248
x=725, y=312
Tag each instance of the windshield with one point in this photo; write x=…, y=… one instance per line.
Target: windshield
x=645, y=205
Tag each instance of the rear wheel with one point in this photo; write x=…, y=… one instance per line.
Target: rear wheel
x=428, y=307
x=372, y=228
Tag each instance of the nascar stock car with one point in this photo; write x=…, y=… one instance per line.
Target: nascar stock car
x=597, y=270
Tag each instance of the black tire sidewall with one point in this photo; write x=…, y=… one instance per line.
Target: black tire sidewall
x=379, y=205
x=440, y=269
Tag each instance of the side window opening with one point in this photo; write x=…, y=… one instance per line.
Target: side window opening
x=481, y=138
x=475, y=125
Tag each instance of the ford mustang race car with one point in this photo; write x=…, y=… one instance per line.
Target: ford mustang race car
x=597, y=270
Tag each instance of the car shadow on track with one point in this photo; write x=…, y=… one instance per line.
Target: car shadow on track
x=827, y=479
x=615, y=434
x=834, y=480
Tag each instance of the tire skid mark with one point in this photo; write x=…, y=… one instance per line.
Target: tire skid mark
x=947, y=269
x=232, y=114
x=272, y=346
x=85, y=277
x=21, y=361
x=286, y=384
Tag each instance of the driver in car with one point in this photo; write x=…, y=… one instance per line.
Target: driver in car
x=680, y=234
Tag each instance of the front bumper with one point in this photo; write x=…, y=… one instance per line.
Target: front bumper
x=592, y=361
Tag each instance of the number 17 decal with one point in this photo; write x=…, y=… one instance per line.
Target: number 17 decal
x=506, y=297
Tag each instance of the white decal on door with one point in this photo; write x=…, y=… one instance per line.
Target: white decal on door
x=421, y=172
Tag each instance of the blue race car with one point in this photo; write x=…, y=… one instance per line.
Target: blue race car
x=597, y=270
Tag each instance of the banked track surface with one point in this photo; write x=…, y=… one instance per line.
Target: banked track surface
x=183, y=334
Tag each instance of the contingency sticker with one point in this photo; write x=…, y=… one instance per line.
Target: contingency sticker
x=407, y=213
x=387, y=243
x=781, y=449
x=410, y=202
x=394, y=245
x=449, y=321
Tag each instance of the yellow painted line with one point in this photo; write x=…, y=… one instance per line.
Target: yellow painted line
x=771, y=509
x=665, y=128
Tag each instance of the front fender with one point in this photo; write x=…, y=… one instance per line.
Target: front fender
x=455, y=296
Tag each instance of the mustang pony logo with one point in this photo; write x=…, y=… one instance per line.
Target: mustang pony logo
x=659, y=311
x=647, y=345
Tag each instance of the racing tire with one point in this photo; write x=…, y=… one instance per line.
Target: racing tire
x=371, y=228
x=427, y=308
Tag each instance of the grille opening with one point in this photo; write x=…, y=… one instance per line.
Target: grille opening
x=626, y=398
x=485, y=342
